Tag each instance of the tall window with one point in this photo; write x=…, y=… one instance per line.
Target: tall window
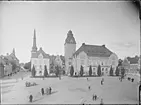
x=82, y=62
x=93, y=69
x=106, y=69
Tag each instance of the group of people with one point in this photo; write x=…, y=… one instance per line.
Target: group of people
x=94, y=97
x=48, y=91
x=132, y=79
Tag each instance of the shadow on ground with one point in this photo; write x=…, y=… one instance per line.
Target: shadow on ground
x=42, y=97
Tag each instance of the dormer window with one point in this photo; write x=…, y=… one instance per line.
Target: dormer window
x=40, y=56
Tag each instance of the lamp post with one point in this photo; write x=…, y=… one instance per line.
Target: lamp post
x=140, y=45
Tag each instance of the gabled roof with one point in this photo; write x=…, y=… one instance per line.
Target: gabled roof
x=94, y=50
x=35, y=55
x=133, y=60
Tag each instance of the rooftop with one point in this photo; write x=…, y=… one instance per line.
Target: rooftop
x=94, y=50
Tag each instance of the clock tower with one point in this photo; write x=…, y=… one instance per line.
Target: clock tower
x=69, y=49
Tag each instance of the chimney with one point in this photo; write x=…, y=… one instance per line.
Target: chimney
x=103, y=45
x=83, y=44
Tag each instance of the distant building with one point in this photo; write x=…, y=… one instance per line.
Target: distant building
x=126, y=65
x=39, y=58
x=87, y=55
x=1, y=67
x=58, y=61
x=7, y=67
x=133, y=64
x=12, y=58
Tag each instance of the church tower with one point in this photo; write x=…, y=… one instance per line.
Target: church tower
x=69, y=49
x=34, y=47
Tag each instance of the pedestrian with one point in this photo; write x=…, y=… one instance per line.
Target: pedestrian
x=89, y=87
x=101, y=102
x=50, y=90
x=42, y=91
x=95, y=97
x=30, y=98
x=132, y=79
x=87, y=79
x=47, y=91
x=101, y=82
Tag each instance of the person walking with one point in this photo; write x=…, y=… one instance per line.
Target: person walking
x=87, y=79
x=47, y=91
x=50, y=90
x=95, y=97
x=30, y=98
x=101, y=102
x=89, y=87
x=42, y=91
x=101, y=82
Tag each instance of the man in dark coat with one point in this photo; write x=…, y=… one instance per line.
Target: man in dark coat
x=30, y=98
x=50, y=90
x=89, y=87
x=42, y=91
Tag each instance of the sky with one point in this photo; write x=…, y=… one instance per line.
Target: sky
x=115, y=24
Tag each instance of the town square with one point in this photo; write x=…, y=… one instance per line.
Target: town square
x=53, y=53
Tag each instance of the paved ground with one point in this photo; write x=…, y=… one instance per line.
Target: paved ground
x=70, y=90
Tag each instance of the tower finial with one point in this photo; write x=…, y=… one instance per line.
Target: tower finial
x=34, y=33
x=14, y=51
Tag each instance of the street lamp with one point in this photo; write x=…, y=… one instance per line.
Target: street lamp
x=140, y=44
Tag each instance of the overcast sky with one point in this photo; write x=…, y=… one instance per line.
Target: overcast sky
x=115, y=24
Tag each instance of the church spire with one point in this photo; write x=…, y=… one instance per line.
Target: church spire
x=34, y=47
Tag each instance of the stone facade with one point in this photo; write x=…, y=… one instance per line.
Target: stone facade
x=7, y=69
x=39, y=59
x=85, y=60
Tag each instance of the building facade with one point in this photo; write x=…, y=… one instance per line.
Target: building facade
x=39, y=59
x=69, y=50
x=133, y=64
x=87, y=55
x=94, y=55
x=126, y=65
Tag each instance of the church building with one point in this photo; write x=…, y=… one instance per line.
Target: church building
x=39, y=59
x=87, y=55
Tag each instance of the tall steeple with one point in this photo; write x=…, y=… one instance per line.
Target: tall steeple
x=34, y=47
